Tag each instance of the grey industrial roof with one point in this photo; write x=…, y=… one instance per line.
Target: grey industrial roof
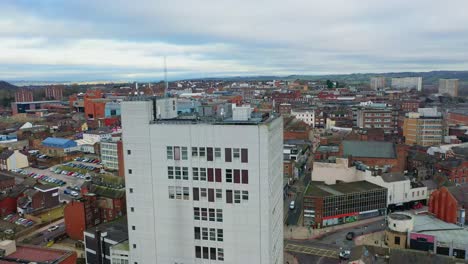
x=116, y=230
x=321, y=189
x=393, y=177
x=443, y=231
x=369, y=149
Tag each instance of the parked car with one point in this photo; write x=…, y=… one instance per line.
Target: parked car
x=350, y=235
x=345, y=254
x=292, y=205
x=53, y=228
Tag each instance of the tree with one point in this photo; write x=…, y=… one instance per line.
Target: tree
x=329, y=84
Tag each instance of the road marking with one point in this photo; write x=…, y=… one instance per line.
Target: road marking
x=311, y=250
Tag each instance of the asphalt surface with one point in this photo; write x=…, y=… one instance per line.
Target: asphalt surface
x=338, y=238
x=42, y=238
x=295, y=214
x=71, y=181
x=312, y=252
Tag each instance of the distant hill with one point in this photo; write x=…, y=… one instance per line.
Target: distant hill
x=429, y=78
x=8, y=86
x=7, y=93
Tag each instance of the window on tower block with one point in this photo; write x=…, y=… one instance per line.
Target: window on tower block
x=218, y=175
x=176, y=153
x=209, y=154
x=201, y=152
x=244, y=155
x=202, y=174
x=228, y=196
x=184, y=153
x=195, y=174
x=217, y=152
x=210, y=175
x=245, y=176
x=197, y=233
x=227, y=155
x=236, y=176
x=169, y=153
x=228, y=175
x=236, y=153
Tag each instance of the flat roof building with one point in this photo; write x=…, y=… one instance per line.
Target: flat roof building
x=202, y=188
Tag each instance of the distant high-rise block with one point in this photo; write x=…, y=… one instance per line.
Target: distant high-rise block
x=407, y=83
x=54, y=92
x=24, y=95
x=377, y=83
x=205, y=189
x=448, y=86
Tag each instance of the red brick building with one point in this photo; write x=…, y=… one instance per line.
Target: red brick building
x=32, y=254
x=94, y=104
x=7, y=205
x=376, y=153
x=24, y=95
x=443, y=205
x=284, y=109
x=6, y=182
x=456, y=170
x=295, y=129
x=80, y=215
x=40, y=197
x=54, y=92
x=410, y=105
x=457, y=117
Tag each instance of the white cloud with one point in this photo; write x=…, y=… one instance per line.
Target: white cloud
x=235, y=37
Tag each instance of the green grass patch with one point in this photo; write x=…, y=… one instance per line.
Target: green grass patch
x=52, y=215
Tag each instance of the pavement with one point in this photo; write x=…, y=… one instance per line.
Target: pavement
x=304, y=233
x=41, y=235
x=310, y=252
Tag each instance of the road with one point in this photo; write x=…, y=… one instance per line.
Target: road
x=312, y=252
x=41, y=238
x=338, y=238
x=295, y=213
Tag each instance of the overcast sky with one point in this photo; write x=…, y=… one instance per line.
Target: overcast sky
x=127, y=40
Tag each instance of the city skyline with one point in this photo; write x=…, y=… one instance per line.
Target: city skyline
x=104, y=40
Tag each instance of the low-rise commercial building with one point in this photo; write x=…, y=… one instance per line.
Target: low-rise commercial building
x=326, y=205
x=426, y=233
x=401, y=191
x=100, y=239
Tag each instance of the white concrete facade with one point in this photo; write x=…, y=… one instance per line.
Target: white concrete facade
x=161, y=228
x=407, y=83
x=306, y=116
x=17, y=160
x=109, y=155
x=398, y=191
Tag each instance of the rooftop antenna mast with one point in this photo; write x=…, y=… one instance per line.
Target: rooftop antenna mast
x=165, y=78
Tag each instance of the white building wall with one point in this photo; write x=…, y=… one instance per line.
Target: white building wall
x=398, y=191
x=165, y=227
x=17, y=161
x=307, y=117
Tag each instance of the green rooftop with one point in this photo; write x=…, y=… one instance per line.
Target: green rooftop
x=369, y=149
